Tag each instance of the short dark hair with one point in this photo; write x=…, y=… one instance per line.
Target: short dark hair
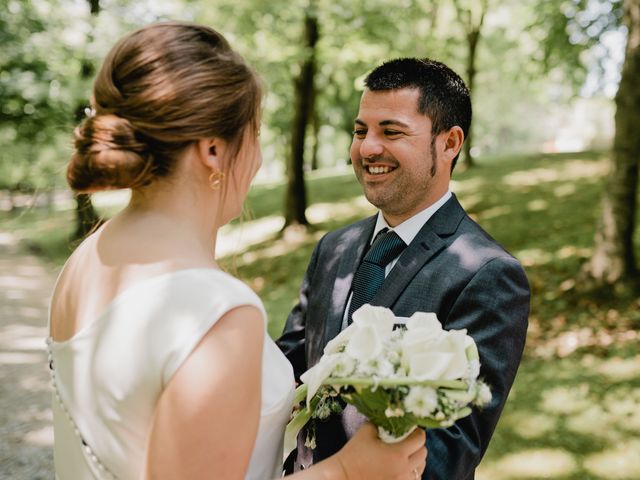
x=444, y=97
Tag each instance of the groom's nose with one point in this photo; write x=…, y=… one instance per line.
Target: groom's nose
x=371, y=146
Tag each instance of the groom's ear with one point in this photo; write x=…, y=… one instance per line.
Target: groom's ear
x=449, y=144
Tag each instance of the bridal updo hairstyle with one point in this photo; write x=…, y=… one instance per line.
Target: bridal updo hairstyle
x=160, y=89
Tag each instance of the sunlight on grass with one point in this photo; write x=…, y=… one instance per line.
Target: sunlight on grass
x=567, y=171
x=538, y=256
x=572, y=251
x=531, y=177
x=531, y=425
x=236, y=238
x=594, y=420
x=624, y=407
x=494, y=212
x=534, y=463
x=537, y=205
x=280, y=248
x=618, y=369
x=565, y=190
x=566, y=400
x=468, y=186
x=323, y=212
x=330, y=172
x=471, y=201
x=533, y=256
x=621, y=462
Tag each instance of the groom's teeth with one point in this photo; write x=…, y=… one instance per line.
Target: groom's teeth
x=378, y=170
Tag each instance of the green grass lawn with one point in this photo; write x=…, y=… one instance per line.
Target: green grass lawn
x=574, y=412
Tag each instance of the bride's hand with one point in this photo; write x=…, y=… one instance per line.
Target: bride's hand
x=365, y=456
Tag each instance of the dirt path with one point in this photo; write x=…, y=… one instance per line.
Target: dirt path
x=26, y=435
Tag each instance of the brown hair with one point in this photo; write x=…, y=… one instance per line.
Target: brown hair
x=160, y=89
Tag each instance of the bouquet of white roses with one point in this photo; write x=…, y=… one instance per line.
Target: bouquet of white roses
x=400, y=379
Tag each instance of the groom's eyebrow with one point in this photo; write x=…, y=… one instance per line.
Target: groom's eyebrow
x=393, y=122
x=383, y=123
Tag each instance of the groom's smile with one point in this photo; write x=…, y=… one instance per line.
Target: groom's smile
x=378, y=167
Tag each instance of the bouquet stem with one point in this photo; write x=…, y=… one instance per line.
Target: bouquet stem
x=388, y=437
x=395, y=382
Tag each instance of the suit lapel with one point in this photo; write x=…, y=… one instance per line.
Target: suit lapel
x=429, y=241
x=356, y=241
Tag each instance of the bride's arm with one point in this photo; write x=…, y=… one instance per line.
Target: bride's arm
x=207, y=417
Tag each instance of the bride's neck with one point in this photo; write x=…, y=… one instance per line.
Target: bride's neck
x=167, y=214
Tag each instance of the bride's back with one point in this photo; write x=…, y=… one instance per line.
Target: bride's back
x=123, y=252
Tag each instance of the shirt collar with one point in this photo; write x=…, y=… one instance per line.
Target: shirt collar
x=408, y=229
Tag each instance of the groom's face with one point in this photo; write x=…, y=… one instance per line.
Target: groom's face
x=394, y=155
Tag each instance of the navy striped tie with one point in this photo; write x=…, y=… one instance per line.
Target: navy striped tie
x=370, y=274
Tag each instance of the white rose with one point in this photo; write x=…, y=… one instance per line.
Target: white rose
x=444, y=358
x=365, y=343
x=417, y=341
x=424, y=320
x=380, y=318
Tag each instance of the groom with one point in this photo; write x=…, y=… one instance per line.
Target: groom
x=421, y=252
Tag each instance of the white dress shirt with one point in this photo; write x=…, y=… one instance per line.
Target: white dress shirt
x=407, y=231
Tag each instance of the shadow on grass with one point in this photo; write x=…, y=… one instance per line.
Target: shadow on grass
x=571, y=418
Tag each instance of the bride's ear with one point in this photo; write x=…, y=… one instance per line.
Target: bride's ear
x=210, y=151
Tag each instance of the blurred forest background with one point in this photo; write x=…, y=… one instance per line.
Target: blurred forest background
x=550, y=170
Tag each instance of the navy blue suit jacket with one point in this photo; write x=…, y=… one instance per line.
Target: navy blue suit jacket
x=452, y=268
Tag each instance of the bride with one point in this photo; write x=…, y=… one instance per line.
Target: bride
x=160, y=361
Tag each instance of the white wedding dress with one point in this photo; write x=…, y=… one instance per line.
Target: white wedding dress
x=108, y=378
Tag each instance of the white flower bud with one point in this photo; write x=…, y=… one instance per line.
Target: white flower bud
x=421, y=401
x=484, y=395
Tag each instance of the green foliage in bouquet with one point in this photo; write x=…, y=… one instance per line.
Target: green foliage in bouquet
x=375, y=404
x=384, y=409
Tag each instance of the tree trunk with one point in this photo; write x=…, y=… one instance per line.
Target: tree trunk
x=472, y=39
x=12, y=202
x=296, y=197
x=613, y=259
x=315, y=128
x=86, y=216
